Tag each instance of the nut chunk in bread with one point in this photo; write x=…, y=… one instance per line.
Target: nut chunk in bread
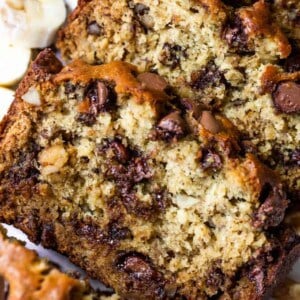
x=151, y=193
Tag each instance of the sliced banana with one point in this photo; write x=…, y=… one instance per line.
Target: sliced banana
x=70, y=3
x=13, y=63
x=6, y=98
x=30, y=23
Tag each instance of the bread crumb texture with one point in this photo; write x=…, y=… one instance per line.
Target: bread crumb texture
x=149, y=192
x=217, y=52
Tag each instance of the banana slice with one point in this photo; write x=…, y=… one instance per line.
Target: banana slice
x=13, y=63
x=71, y=4
x=30, y=23
x=6, y=98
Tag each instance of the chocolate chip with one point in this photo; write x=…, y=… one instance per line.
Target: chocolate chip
x=99, y=97
x=141, y=12
x=153, y=81
x=209, y=76
x=235, y=36
x=210, y=159
x=138, y=266
x=292, y=63
x=287, y=97
x=120, y=151
x=94, y=28
x=210, y=123
x=117, y=233
x=171, y=126
x=141, y=9
x=273, y=205
x=171, y=55
x=193, y=106
x=103, y=93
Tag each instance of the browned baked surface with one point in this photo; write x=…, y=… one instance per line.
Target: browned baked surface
x=151, y=193
x=218, y=52
x=24, y=276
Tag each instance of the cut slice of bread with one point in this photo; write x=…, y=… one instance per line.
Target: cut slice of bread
x=149, y=192
x=242, y=57
x=25, y=276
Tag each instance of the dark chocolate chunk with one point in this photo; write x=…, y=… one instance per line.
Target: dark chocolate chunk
x=171, y=55
x=272, y=209
x=209, y=76
x=141, y=9
x=292, y=63
x=94, y=28
x=101, y=97
x=141, y=12
x=234, y=34
x=137, y=266
x=117, y=233
x=210, y=123
x=171, y=126
x=286, y=97
x=193, y=106
x=153, y=81
x=210, y=159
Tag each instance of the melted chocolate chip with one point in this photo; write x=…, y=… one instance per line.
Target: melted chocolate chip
x=193, y=106
x=292, y=63
x=171, y=55
x=101, y=97
x=209, y=76
x=141, y=13
x=26, y=169
x=111, y=235
x=94, y=28
x=141, y=9
x=153, y=81
x=210, y=159
x=210, y=123
x=137, y=266
x=272, y=209
x=287, y=97
x=171, y=126
x=234, y=34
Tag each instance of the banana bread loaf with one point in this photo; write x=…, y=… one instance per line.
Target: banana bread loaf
x=149, y=192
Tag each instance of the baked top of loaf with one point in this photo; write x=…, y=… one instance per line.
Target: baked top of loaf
x=149, y=192
x=25, y=276
x=242, y=57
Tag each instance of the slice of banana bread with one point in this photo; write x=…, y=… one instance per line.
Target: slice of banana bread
x=149, y=192
x=25, y=276
x=240, y=56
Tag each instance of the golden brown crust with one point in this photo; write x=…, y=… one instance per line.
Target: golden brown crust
x=30, y=278
x=257, y=21
x=118, y=72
